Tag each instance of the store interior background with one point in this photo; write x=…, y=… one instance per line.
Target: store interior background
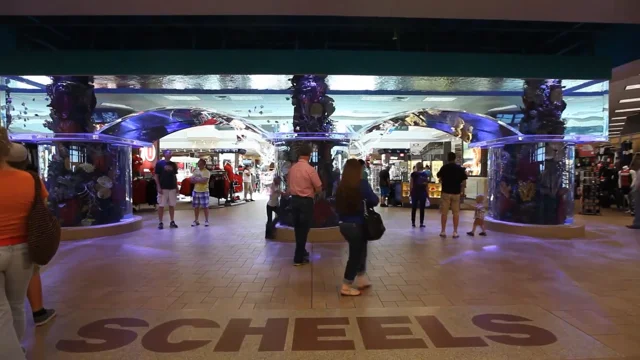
x=264, y=102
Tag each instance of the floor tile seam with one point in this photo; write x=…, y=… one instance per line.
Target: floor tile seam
x=593, y=337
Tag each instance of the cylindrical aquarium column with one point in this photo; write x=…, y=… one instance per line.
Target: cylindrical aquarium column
x=312, y=125
x=88, y=176
x=532, y=182
x=531, y=177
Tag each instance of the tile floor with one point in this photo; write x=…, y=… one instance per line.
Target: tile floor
x=191, y=293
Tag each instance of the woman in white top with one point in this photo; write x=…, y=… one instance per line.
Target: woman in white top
x=247, y=183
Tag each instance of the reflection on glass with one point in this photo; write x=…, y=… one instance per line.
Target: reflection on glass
x=88, y=183
x=532, y=183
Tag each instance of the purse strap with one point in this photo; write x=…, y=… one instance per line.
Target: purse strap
x=37, y=189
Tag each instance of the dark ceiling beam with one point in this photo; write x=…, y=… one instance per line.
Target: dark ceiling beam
x=40, y=42
x=378, y=63
x=48, y=27
x=571, y=47
x=311, y=26
x=553, y=39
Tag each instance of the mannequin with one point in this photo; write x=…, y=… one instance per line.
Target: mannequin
x=136, y=161
x=626, y=182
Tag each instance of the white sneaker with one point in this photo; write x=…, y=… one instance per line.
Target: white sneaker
x=206, y=224
x=195, y=223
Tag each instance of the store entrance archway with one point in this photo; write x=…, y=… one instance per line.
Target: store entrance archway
x=154, y=124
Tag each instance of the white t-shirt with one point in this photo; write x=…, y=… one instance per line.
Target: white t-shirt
x=246, y=176
x=274, y=195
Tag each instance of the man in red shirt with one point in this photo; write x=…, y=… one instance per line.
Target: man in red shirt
x=229, y=170
x=303, y=184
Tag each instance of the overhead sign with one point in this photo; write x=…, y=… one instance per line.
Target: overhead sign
x=416, y=148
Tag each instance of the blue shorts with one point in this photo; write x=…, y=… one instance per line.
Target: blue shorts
x=384, y=191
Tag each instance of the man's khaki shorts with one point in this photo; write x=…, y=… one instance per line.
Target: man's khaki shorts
x=450, y=201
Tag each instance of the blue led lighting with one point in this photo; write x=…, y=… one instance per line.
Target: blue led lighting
x=82, y=137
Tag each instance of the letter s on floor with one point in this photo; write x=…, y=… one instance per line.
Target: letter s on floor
x=112, y=338
x=537, y=336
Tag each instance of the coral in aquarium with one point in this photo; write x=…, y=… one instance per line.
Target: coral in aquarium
x=543, y=105
x=90, y=191
x=530, y=180
x=72, y=104
x=312, y=106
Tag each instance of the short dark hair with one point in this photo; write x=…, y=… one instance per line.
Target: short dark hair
x=304, y=150
x=451, y=157
x=361, y=162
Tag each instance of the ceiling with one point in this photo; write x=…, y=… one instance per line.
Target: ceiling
x=625, y=97
x=60, y=33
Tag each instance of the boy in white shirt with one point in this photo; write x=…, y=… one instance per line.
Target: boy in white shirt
x=247, y=183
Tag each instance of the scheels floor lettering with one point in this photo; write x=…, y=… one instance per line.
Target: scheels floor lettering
x=307, y=334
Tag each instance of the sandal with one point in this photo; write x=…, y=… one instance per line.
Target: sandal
x=349, y=292
x=364, y=287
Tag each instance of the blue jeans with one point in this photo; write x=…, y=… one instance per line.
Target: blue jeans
x=356, y=265
x=302, y=211
x=418, y=202
x=636, y=199
x=16, y=270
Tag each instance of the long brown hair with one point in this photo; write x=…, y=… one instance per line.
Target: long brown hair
x=5, y=144
x=348, y=197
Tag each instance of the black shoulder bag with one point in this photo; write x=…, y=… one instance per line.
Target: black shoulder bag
x=373, y=224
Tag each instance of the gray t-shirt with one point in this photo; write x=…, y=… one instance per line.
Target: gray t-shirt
x=167, y=171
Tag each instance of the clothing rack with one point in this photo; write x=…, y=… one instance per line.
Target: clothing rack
x=590, y=184
x=218, y=184
x=144, y=191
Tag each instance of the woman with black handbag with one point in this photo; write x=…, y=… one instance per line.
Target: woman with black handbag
x=17, y=193
x=353, y=197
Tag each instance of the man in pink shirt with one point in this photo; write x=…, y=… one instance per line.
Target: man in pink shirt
x=303, y=184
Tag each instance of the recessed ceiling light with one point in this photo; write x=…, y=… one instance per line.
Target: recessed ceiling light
x=182, y=97
x=632, y=87
x=245, y=97
x=439, y=99
x=627, y=110
x=619, y=118
x=629, y=100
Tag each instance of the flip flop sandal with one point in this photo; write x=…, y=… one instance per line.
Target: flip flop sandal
x=350, y=292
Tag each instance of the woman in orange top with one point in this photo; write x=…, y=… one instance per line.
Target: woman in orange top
x=16, y=198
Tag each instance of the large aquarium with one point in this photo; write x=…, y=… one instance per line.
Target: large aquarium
x=88, y=177
x=532, y=182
